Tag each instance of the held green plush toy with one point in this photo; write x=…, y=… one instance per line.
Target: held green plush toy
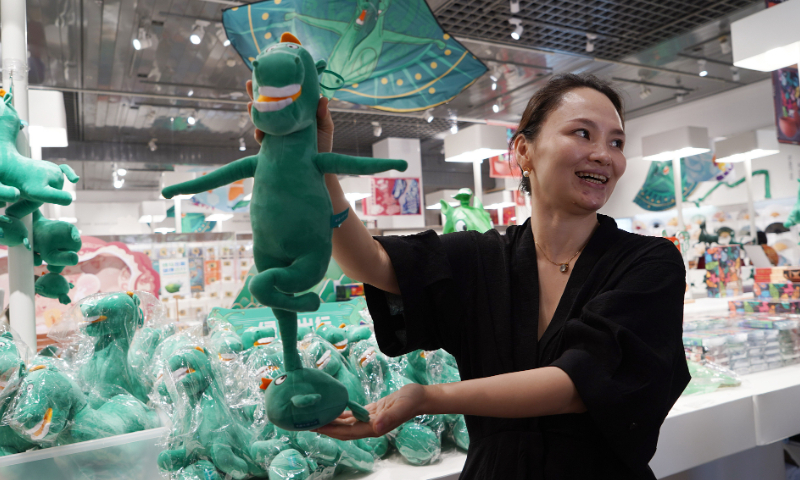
x=464, y=217
x=292, y=219
x=26, y=182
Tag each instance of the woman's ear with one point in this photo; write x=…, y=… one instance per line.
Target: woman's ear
x=523, y=150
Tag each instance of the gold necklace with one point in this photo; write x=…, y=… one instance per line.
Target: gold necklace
x=563, y=267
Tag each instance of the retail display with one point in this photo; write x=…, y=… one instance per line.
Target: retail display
x=794, y=216
x=723, y=264
x=302, y=399
x=465, y=217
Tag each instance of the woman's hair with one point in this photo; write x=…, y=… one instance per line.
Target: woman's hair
x=547, y=99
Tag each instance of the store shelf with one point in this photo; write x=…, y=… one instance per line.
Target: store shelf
x=394, y=467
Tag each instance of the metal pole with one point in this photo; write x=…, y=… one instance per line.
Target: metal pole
x=13, y=25
x=676, y=176
x=748, y=181
x=476, y=173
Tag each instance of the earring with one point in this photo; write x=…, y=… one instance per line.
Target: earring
x=526, y=173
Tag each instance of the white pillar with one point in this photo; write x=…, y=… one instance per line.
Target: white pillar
x=748, y=181
x=676, y=176
x=178, y=221
x=477, y=179
x=13, y=25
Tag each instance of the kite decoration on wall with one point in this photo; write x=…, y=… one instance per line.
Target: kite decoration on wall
x=387, y=54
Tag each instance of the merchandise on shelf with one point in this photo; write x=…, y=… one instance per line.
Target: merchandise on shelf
x=708, y=376
x=764, y=306
x=465, y=217
x=776, y=291
x=722, y=271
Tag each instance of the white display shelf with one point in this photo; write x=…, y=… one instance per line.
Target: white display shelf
x=394, y=467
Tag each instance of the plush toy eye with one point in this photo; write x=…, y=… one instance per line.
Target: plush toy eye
x=292, y=46
x=461, y=226
x=280, y=380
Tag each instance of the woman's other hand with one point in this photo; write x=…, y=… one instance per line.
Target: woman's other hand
x=385, y=415
x=324, y=122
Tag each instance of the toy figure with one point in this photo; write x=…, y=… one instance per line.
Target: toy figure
x=327, y=358
x=794, y=215
x=442, y=368
x=336, y=337
x=143, y=349
x=112, y=320
x=12, y=369
x=50, y=409
x=464, y=217
x=53, y=285
x=205, y=429
x=292, y=219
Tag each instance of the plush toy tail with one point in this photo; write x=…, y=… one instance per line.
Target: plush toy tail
x=287, y=324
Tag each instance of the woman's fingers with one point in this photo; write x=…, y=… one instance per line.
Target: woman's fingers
x=348, y=432
x=324, y=127
x=249, y=87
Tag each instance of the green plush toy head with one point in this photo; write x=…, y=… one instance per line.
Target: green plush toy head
x=53, y=285
x=285, y=87
x=11, y=364
x=325, y=358
x=305, y=398
x=116, y=314
x=336, y=336
x=190, y=369
x=464, y=217
x=55, y=242
x=225, y=343
x=46, y=401
x=258, y=337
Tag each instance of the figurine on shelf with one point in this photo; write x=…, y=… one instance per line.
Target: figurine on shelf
x=465, y=217
x=292, y=219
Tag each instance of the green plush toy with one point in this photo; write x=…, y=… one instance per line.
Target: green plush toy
x=111, y=321
x=464, y=217
x=292, y=219
x=290, y=465
x=336, y=336
x=326, y=357
x=206, y=429
x=142, y=351
x=50, y=409
x=442, y=368
x=53, y=285
x=224, y=342
x=55, y=243
x=27, y=182
x=416, y=367
x=12, y=369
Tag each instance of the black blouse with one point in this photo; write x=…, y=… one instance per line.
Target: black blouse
x=616, y=332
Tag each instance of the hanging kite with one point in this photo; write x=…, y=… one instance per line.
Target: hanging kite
x=387, y=54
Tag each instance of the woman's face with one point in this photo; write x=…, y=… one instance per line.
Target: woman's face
x=577, y=158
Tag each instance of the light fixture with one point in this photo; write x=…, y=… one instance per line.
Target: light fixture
x=231, y=62
x=514, y=6
x=117, y=178
x=454, y=129
x=517, y=33
x=191, y=92
x=495, y=108
x=219, y=217
x=725, y=45
x=735, y=74
x=475, y=143
x=429, y=115
x=354, y=197
x=143, y=40
x=767, y=40
x=701, y=68
x=164, y=230
x=453, y=118
x=222, y=36
x=494, y=85
x=590, y=38
x=679, y=97
x=119, y=182
x=122, y=172
x=673, y=145
x=376, y=129
x=152, y=144
x=242, y=146
x=645, y=92
x=198, y=31
x=152, y=212
x=191, y=120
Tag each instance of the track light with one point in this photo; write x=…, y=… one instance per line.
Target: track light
x=191, y=120
x=494, y=86
x=517, y=33
x=725, y=45
x=242, y=146
x=376, y=129
x=191, y=92
x=143, y=40
x=514, y=6
x=198, y=32
x=495, y=108
x=223, y=37
x=645, y=92
x=590, y=38
x=429, y=115
x=679, y=98
x=118, y=182
x=735, y=74
x=701, y=67
x=122, y=172
x=454, y=129
x=453, y=122
x=152, y=145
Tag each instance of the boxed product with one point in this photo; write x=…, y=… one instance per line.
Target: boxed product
x=764, y=306
x=722, y=271
x=782, y=291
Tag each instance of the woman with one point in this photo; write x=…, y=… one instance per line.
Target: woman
x=567, y=330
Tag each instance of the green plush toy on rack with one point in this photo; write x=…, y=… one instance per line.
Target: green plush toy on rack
x=292, y=219
x=12, y=369
x=465, y=217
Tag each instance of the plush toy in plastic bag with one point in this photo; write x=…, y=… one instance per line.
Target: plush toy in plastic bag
x=708, y=376
x=142, y=352
x=292, y=219
x=442, y=368
x=324, y=356
x=12, y=369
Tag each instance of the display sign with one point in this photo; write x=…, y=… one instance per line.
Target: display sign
x=394, y=196
x=175, y=279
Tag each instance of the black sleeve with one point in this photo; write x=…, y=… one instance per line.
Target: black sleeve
x=625, y=354
x=424, y=315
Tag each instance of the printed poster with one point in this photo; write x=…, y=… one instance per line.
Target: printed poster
x=175, y=281
x=196, y=274
x=394, y=196
x=213, y=271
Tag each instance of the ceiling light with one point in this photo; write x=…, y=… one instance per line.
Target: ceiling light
x=222, y=36
x=429, y=115
x=454, y=129
x=701, y=67
x=122, y=172
x=725, y=45
x=191, y=92
x=152, y=145
x=747, y=146
x=376, y=129
x=219, y=217
x=494, y=85
x=514, y=6
x=495, y=108
x=143, y=40
x=475, y=143
x=198, y=32
x=242, y=146
x=119, y=182
x=517, y=33
x=645, y=92
x=493, y=77
x=590, y=37
x=679, y=98
x=735, y=74
x=191, y=120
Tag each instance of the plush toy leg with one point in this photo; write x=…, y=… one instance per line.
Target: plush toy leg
x=229, y=462
x=287, y=324
x=172, y=460
x=69, y=172
x=361, y=413
x=13, y=232
x=274, y=287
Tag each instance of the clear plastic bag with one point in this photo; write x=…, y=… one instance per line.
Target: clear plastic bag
x=708, y=376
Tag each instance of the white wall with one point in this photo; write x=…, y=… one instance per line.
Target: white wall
x=725, y=114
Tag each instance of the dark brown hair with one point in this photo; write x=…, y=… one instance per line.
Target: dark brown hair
x=547, y=99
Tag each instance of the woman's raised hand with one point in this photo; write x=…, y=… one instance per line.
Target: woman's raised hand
x=324, y=122
x=385, y=415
